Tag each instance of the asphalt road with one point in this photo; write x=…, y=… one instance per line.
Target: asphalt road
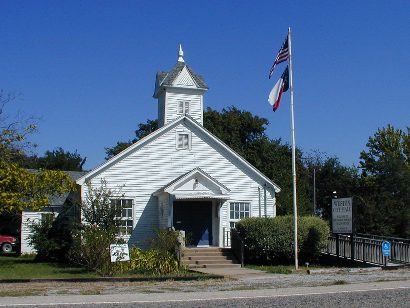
x=380, y=294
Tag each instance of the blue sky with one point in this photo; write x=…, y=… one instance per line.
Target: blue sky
x=86, y=69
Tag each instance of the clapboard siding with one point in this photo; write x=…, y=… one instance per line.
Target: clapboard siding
x=175, y=96
x=155, y=164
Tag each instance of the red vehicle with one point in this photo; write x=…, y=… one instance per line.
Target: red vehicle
x=7, y=243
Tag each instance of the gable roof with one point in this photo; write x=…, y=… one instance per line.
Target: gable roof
x=163, y=130
x=166, y=79
x=194, y=172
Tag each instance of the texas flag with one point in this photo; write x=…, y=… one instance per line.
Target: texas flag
x=281, y=86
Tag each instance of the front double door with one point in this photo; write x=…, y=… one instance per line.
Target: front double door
x=195, y=218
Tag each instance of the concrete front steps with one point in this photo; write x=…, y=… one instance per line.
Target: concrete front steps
x=212, y=257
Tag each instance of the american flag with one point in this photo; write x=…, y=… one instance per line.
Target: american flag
x=282, y=56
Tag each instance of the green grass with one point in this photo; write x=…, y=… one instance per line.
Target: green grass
x=25, y=267
x=287, y=269
x=274, y=269
x=12, y=267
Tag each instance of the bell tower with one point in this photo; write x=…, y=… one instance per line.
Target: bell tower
x=179, y=92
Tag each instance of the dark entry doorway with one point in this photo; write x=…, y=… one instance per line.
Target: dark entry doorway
x=195, y=218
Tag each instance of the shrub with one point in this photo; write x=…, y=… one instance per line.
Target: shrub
x=161, y=257
x=269, y=240
x=39, y=238
x=164, y=240
x=153, y=261
x=91, y=248
x=51, y=238
x=91, y=244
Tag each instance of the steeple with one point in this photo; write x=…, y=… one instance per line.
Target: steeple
x=180, y=54
x=179, y=92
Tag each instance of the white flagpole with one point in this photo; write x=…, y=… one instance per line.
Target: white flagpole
x=295, y=210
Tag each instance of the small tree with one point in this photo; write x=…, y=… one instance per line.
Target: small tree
x=99, y=207
x=52, y=237
x=91, y=242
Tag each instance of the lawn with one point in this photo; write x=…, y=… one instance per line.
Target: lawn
x=13, y=267
x=25, y=267
x=274, y=269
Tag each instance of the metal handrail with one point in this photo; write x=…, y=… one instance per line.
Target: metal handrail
x=238, y=246
x=387, y=238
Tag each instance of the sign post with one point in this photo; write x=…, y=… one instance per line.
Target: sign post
x=386, y=251
x=342, y=221
x=342, y=210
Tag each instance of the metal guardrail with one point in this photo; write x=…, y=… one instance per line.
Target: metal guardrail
x=367, y=250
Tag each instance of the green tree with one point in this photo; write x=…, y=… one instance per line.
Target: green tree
x=19, y=188
x=332, y=179
x=238, y=129
x=385, y=183
x=99, y=208
x=91, y=242
x=57, y=159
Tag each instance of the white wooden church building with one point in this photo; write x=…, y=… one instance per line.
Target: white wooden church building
x=181, y=175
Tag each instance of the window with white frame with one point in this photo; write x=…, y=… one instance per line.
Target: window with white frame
x=237, y=211
x=183, y=107
x=183, y=141
x=124, y=208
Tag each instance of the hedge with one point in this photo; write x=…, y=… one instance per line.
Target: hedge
x=270, y=240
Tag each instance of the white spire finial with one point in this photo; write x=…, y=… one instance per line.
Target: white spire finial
x=180, y=54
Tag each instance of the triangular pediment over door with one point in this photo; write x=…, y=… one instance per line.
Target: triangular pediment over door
x=196, y=184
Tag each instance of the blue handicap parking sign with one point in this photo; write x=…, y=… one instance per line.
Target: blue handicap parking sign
x=386, y=248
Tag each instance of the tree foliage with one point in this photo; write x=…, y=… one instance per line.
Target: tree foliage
x=19, y=188
x=385, y=183
x=91, y=241
x=58, y=159
x=332, y=180
x=99, y=209
x=238, y=129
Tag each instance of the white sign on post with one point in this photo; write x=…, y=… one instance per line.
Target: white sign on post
x=119, y=252
x=342, y=210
